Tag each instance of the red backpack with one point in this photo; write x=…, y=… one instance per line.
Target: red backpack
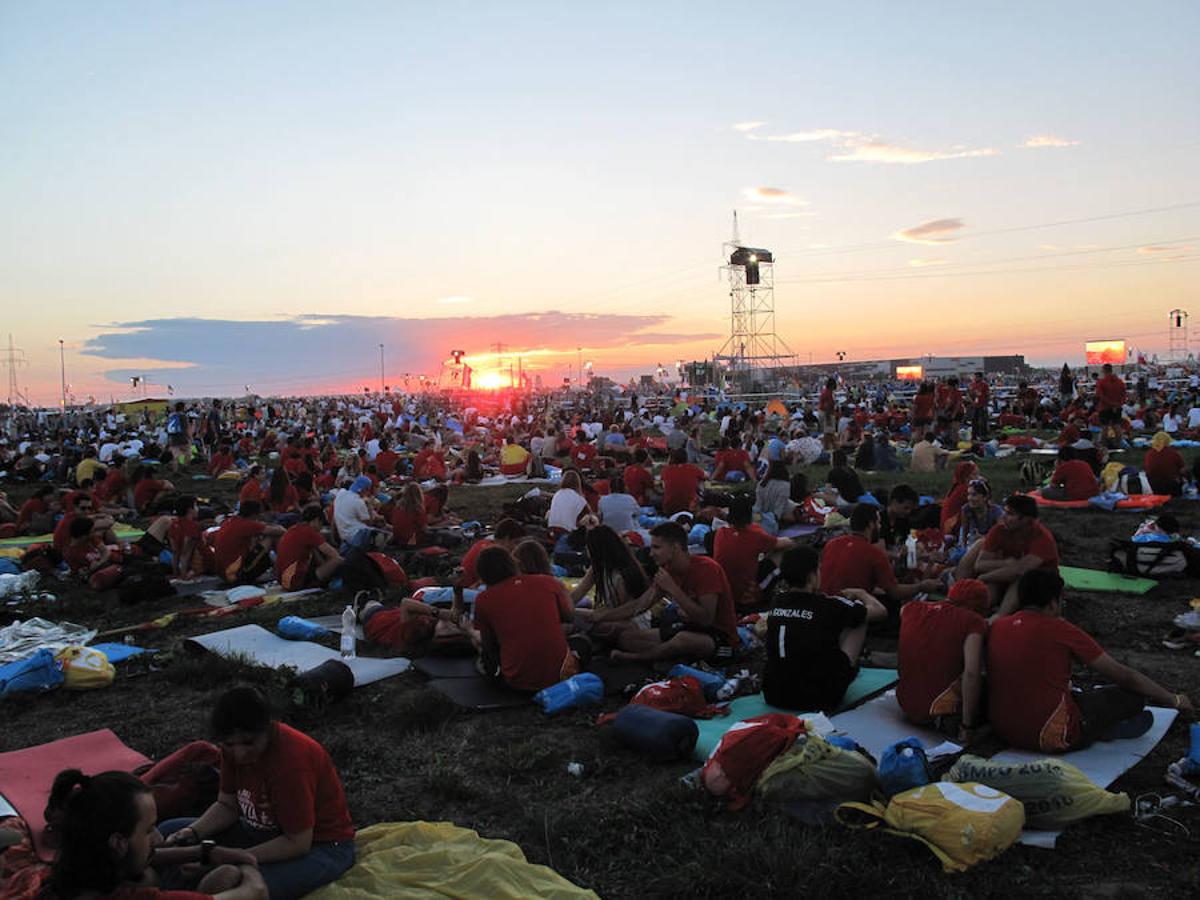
x=733, y=768
x=682, y=695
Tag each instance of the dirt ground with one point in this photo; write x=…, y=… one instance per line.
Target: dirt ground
x=627, y=828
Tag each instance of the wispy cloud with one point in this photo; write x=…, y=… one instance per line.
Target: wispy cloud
x=858, y=146
x=1048, y=140
x=877, y=151
x=935, y=231
x=922, y=263
x=815, y=134
x=773, y=196
x=1165, y=252
x=747, y=127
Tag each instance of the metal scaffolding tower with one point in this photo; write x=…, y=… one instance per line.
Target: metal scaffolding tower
x=1177, y=334
x=755, y=359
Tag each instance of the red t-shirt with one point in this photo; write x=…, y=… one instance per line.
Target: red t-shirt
x=525, y=614
x=219, y=463
x=1077, y=477
x=408, y=526
x=251, y=491
x=232, y=542
x=30, y=508
x=292, y=787
x=733, y=459
x=294, y=553
x=705, y=576
x=922, y=408
x=681, y=482
x=430, y=463
x=62, y=532
x=931, y=658
x=638, y=480
x=582, y=455
x=181, y=529
x=737, y=550
x=850, y=562
x=1011, y=544
x=978, y=391
x=1029, y=679
x=82, y=555
x=470, y=577
x=144, y=491
x=291, y=500
x=433, y=505
x=826, y=402
x=385, y=463
x=1166, y=464
x=1110, y=391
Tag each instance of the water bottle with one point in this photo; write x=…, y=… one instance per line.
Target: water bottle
x=910, y=547
x=349, y=620
x=729, y=688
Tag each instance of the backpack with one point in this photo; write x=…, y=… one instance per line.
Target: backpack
x=746, y=749
x=144, y=587
x=1155, y=559
x=903, y=766
x=175, y=423
x=961, y=823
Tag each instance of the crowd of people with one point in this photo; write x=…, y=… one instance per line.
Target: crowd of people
x=696, y=532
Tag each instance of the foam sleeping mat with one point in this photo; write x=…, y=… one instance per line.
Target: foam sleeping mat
x=480, y=694
x=1132, y=502
x=868, y=682
x=27, y=775
x=267, y=649
x=1104, y=582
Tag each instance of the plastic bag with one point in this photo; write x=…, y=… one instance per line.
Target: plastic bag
x=295, y=628
x=903, y=766
x=85, y=668
x=813, y=769
x=683, y=695
x=38, y=672
x=745, y=751
x=584, y=689
x=1054, y=793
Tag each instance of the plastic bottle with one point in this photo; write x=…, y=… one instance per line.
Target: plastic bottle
x=910, y=548
x=349, y=621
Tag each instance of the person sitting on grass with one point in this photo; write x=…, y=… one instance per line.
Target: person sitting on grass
x=956, y=497
x=738, y=548
x=409, y=518
x=1018, y=545
x=639, y=480
x=304, y=558
x=699, y=622
x=520, y=620
x=814, y=640
x=941, y=655
x=844, y=478
x=190, y=555
x=1072, y=479
x=681, y=481
x=1164, y=465
x=619, y=582
x=857, y=561
x=733, y=463
x=1030, y=701
x=242, y=546
x=109, y=844
x=280, y=798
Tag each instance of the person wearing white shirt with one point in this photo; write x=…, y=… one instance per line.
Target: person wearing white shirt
x=353, y=518
x=567, y=504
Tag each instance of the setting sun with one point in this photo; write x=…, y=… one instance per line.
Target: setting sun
x=491, y=381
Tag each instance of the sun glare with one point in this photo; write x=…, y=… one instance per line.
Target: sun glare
x=491, y=381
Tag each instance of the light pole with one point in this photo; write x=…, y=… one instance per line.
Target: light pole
x=381, y=368
x=62, y=365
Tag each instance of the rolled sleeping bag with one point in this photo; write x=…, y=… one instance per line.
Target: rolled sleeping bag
x=660, y=736
x=333, y=678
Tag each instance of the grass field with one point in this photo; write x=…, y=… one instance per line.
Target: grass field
x=627, y=828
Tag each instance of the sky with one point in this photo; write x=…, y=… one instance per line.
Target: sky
x=224, y=195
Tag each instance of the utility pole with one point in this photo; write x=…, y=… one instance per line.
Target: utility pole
x=13, y=357
x=62, y=365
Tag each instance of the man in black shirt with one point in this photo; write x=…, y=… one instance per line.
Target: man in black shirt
x=895, y=519
x=814, y=640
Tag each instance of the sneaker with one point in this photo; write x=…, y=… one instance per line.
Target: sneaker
x=1133, y=727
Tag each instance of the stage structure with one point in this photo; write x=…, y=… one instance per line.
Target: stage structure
x=754, y=359
x=1177, y=335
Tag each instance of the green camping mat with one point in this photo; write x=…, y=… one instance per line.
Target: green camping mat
x=1106, y=582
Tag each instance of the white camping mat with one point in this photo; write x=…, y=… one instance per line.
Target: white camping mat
x=267, y=649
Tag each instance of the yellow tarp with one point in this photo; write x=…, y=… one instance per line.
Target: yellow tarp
x=438, y=859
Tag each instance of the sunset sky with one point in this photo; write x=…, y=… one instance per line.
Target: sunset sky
x=218, y=194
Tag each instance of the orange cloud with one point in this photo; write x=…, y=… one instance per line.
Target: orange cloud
x=773, y=196
x=1048, y=140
